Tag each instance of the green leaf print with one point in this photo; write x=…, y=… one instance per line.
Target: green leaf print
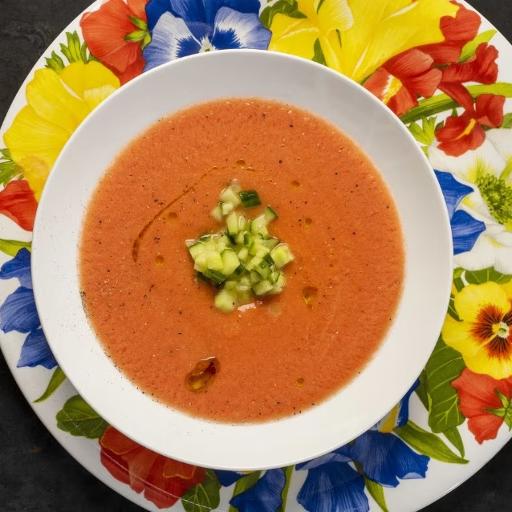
x=428, y=444
x=426, y=132
x=453, y=435
x=442, y=102
x=377, y=493
x=286, y=7
x=443, y=367
x=12, y=247
x=8, y=168
x=80, y=419
x=56, y=380
x=318, y=55
x=485, y=275
x=469, y=49
x=507, y=121
x=204, y=496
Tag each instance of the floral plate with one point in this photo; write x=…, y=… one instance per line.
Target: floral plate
x=439, y=67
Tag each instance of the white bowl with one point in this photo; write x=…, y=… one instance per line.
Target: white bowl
x=398, y=361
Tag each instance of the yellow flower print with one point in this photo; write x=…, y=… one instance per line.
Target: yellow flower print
x=57, y=104
x=323, y=20
x=358, y=36
x=484, y=334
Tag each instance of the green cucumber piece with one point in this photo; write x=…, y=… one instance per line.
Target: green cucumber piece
x=247, y=239
x=230, y=262
x=270, y=214
x=263, y=269
x=230, y=196
x=226, y=208
x=259, y=226
x=281, y=255
x=245, y=297
x=253, y=263
x=279, y=284
x=216, y=213
x=232, y=223
x=200, y=262
x=230, y=285
x=249, y=198
x=243, y=254
x=215, y=277
x=254, y=277
x=270, y=243
x=262, y=287
x=196, y=249
x=225, y=300
x=214, y=261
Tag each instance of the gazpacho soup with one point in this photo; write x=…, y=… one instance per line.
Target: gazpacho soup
x=241, y=260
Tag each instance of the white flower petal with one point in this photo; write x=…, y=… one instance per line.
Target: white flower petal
x=462, y=165
x=501, y=139
x=481, y=256
x=503, y=261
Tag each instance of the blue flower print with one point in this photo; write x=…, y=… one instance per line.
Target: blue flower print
x=196, y=12
x=185, y=27
x=336, y=481
x=19, y=313
x=333, y=487
x=227, y=478
x=264, y=496
x=465, y=228
x=18, y=267
x=385, y=458
x=36, y=351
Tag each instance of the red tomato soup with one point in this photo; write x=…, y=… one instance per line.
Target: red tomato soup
x=157, y=320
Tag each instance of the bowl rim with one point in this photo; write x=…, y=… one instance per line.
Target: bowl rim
x=39, y=294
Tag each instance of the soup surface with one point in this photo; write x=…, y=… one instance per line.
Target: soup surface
x=289, y=352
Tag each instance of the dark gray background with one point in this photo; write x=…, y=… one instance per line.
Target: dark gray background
x=36, y=474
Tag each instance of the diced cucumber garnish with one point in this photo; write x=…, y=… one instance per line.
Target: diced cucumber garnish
x=270, y=214
x=259, y=225
x=225, y=300
x=243, y=253
x=196, y=249
x=216, y=213
x=226, y=208
x=214, y=261
x=232, y=223
x=262, y=287
x=249, y=198
x=228, y=195
x=281, y=255
x=230, y=262
x=215, y=277
x=244, y=261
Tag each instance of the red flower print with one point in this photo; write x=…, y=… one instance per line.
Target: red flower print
x=17, y=202
x=115, y=34
x=458, y=31
x=485, y=402
x=163, y=480
x=481, y=68
x=403, y=79
x=414, y=73
x=463, y=133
